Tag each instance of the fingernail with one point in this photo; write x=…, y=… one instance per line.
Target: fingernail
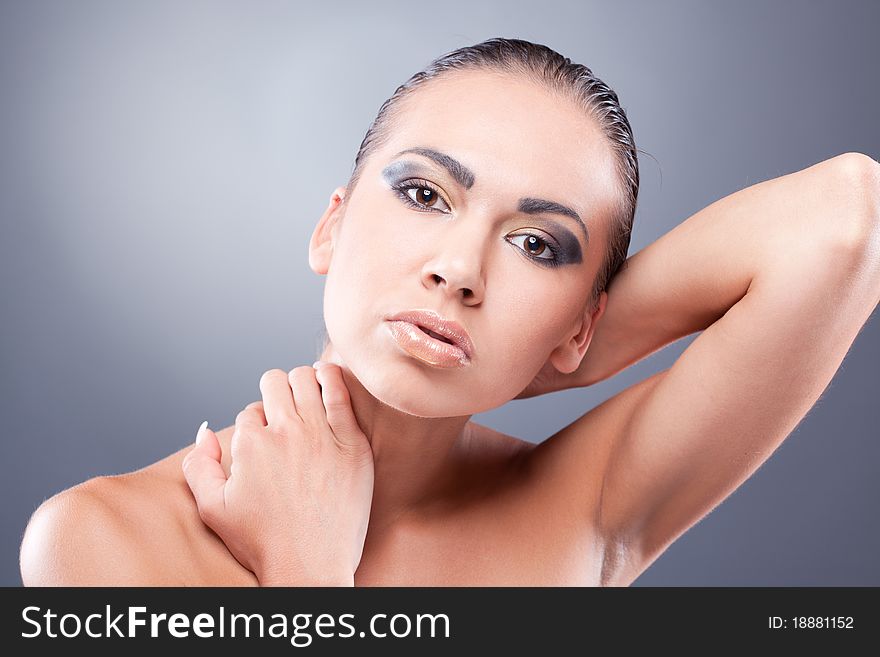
x=317, y=364
x=201, y=432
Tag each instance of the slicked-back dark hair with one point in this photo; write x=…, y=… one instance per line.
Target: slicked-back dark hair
x=543, y=65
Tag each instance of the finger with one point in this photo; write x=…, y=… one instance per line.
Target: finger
x=337, y=405
x=258, y=406
x=251, y=419
x=307, y=395
x=278, y=405
x=205, y=475
x=249, y=427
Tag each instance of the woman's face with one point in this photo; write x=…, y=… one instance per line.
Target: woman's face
x=416, y=235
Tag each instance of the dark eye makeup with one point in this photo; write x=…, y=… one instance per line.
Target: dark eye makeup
x=404, y=186
x=564, y=253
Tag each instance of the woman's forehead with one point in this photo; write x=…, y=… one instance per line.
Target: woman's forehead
x=498, y=107
x=510, y=132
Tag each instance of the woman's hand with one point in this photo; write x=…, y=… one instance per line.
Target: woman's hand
x=296, y=505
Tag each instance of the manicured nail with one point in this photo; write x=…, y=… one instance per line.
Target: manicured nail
x=201, y=432
x=317, y=364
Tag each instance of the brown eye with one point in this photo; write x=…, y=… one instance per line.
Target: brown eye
x=534, y=245
x=425, y=196
x=421, y=196
x=537, y=248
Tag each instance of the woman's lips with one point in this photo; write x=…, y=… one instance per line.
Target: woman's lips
x=414, y=341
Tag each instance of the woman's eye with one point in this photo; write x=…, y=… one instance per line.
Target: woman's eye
x=422, y=197
x=536, y=247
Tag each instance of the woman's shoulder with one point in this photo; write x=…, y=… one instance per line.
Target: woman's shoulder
x=140, y=528
x=82, y=536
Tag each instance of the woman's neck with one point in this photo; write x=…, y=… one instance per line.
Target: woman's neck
x=415, y=458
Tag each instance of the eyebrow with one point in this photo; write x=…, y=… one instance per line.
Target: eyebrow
x=462, y=175
x=540, y=206
x=466, y=178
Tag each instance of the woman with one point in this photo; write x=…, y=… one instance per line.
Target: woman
x=477, y=256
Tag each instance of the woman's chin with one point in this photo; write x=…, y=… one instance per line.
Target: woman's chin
x=410, y=397
x=411, y=401
x=394, y=383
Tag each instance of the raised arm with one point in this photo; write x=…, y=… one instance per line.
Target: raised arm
x=780, y=277
x=708, y=262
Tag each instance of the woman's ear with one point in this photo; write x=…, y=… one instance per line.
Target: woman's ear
x=324, y=235
x=567, y=357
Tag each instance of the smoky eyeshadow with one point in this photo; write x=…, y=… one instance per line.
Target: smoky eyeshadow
x=569, y=247
x=397, y=170
x=570, y=252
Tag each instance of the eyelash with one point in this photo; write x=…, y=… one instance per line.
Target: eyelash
x=401, y=188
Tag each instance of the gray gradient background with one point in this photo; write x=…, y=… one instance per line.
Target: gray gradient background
x=163, y=166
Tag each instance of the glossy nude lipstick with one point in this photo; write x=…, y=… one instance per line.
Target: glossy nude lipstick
x=427, y=336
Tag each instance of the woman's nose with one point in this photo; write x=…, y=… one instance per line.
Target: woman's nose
x=457, y=271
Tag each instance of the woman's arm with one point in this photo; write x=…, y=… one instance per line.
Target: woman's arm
x=690, y=277
x=781, y=276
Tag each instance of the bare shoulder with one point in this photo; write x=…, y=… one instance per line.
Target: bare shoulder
x=136, y=529
x=78, y=537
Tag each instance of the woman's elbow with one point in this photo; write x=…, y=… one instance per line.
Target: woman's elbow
x=854, y=181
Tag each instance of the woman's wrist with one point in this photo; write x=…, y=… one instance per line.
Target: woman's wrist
x=288, y=574
x=329, y=578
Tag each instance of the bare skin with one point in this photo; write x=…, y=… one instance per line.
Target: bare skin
x=779, y=277
x=496, y=529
